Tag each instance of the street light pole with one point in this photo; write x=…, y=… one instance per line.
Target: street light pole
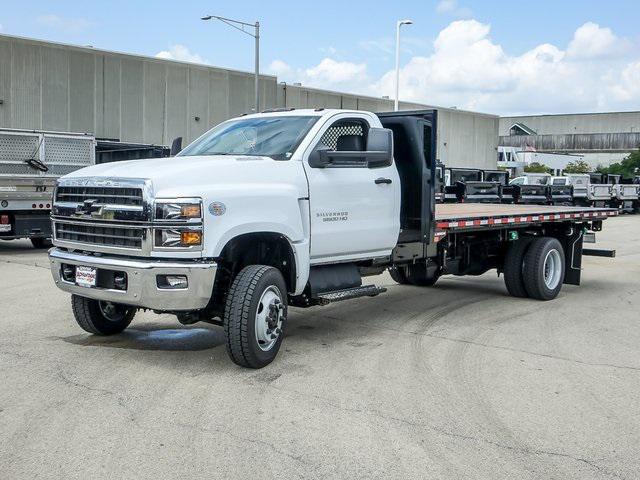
x=238, y=25
x=398, y=25
x=257, y=72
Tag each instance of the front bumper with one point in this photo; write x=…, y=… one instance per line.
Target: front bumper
x=142, y=289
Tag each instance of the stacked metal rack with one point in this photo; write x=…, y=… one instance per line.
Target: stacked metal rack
x=469, y=185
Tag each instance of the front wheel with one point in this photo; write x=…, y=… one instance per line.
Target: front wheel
x=255, y=316
x=101, y=318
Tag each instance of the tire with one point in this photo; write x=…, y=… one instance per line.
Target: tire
x=418, y=275
x=513, y=262
x=101, y=318
x=543, y=270
x=398, y=275
x=250, y=332
x=39, y=242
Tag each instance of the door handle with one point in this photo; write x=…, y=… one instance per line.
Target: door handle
x=380, y=180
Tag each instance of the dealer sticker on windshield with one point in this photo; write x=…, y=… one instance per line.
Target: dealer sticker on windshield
x=86, y=276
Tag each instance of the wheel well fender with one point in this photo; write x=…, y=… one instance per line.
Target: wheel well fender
x=259, y=248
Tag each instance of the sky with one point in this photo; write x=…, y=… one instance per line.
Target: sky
x=500, y=57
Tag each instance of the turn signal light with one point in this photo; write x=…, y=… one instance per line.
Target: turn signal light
x=190, y=238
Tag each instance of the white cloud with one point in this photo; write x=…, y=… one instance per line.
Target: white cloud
x=66, y=24
x=628, y=87
x=329, y=73
x=181, y=53
x=593, y=41
x=451, y=7
x=468, y=69
x=280, y=68
x=1, y=27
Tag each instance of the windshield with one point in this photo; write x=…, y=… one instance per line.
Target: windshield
x=275, y=137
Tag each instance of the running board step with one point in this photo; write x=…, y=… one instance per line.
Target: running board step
x=349, y=293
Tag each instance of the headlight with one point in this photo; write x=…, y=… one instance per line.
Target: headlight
x=178, y=210
x=174, y=237
x=178, y=223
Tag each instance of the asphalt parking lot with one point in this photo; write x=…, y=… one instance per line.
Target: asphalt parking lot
x=459, y=381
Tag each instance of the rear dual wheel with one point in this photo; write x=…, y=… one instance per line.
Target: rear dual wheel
x=534, y=267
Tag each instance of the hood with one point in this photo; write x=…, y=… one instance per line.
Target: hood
x=194, y=175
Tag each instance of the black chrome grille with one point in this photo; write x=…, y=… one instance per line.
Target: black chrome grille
x=129, y=196
x=102, y=235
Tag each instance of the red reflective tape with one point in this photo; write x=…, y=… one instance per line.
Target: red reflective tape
x=442, y=225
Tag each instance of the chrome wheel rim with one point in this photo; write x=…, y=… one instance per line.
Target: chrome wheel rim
x=552, y=269
x=112, y=311
x=269, y=317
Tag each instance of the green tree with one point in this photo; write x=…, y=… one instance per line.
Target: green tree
x=629, y=167
x=535, y=167
x=579, y=166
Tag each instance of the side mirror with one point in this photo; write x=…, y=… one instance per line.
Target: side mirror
x=319, y=158
x=379, y=152
x=176, y=146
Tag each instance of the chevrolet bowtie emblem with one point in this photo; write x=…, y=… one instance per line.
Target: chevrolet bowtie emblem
x=89, y=208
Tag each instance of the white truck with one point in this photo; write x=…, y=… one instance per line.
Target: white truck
x=290, y=208
x=30, y=163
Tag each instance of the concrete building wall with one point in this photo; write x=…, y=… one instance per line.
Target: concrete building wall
x=603, y=138
x=127, y=97
x=467, y=139
x=613, y=122
x=132, y=98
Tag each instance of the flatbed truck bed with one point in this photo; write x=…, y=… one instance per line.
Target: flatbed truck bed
x=469, y=215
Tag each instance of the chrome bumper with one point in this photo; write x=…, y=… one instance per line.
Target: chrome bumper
x=142, y=290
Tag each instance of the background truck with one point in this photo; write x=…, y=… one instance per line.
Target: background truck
x=290, y=209
x=30, y=163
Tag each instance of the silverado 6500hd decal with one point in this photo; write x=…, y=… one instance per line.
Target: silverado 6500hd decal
x=333, y=216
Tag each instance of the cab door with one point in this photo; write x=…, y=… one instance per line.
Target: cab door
x=354, y=209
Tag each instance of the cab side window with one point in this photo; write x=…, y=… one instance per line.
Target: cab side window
x=349, y=135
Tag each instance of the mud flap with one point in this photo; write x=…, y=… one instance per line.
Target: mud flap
x=572, y=245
